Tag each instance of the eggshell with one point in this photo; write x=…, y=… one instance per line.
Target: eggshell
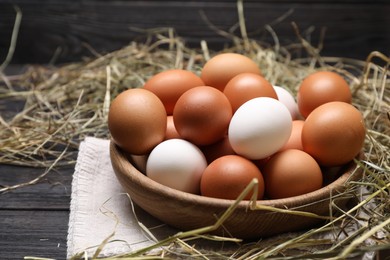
x=218, y=149
x=295, y=140
x=137, y=121
x=287, y=98
x=169, y=85
x=261, y=162
x=227, y=176
x=334, y=133
x=223, y=67
x=202, y=115
x=171, y=132
x=259, y=128
x=178, y=164
x=291, y=173
x=319, y=88
x=246, y=86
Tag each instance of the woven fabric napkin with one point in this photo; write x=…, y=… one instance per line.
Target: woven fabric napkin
x=99, y=208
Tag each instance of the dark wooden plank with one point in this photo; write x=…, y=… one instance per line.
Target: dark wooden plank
x=33, y=233
x=34, y=219
x=353, y=29
x=51, y=193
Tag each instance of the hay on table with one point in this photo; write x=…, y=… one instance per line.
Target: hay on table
x=63, y=105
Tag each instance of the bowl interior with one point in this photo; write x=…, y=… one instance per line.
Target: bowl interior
x=188, y=211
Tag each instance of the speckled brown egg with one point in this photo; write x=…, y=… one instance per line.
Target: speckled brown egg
x=137, y=121
x=223, y=67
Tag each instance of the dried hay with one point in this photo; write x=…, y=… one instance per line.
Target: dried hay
x=63, y=105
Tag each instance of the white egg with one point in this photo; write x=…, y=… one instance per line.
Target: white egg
x=178, y=164
x=288, y=100
x=259, y=128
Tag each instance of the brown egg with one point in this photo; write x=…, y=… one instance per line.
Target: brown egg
x=171, y=84
x=223, y=67
x=291, y=173
x=246, y=86
x=334, y=133
x=202, y=115
x=227, y=176
x=171, y=132
x=260, y=163
x=295, y=140
x=218, y=149
x=137, y=121
x=319, y=88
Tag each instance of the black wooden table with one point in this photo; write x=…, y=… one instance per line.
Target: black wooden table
x=34, y=219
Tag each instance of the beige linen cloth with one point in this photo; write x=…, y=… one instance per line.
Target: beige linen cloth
x=100, y=209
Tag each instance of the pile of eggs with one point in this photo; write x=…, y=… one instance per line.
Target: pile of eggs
x=212, y=134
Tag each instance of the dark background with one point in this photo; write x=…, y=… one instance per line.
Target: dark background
x=34, y=219
x=353, y=28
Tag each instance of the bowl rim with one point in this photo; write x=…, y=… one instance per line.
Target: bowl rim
x=295, y=202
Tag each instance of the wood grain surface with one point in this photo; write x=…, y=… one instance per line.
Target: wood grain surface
x=34, y=219
x=51, y=193
x=38, y=233
x=61, y=31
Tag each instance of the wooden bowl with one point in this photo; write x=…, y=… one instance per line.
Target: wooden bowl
x=189, y=211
